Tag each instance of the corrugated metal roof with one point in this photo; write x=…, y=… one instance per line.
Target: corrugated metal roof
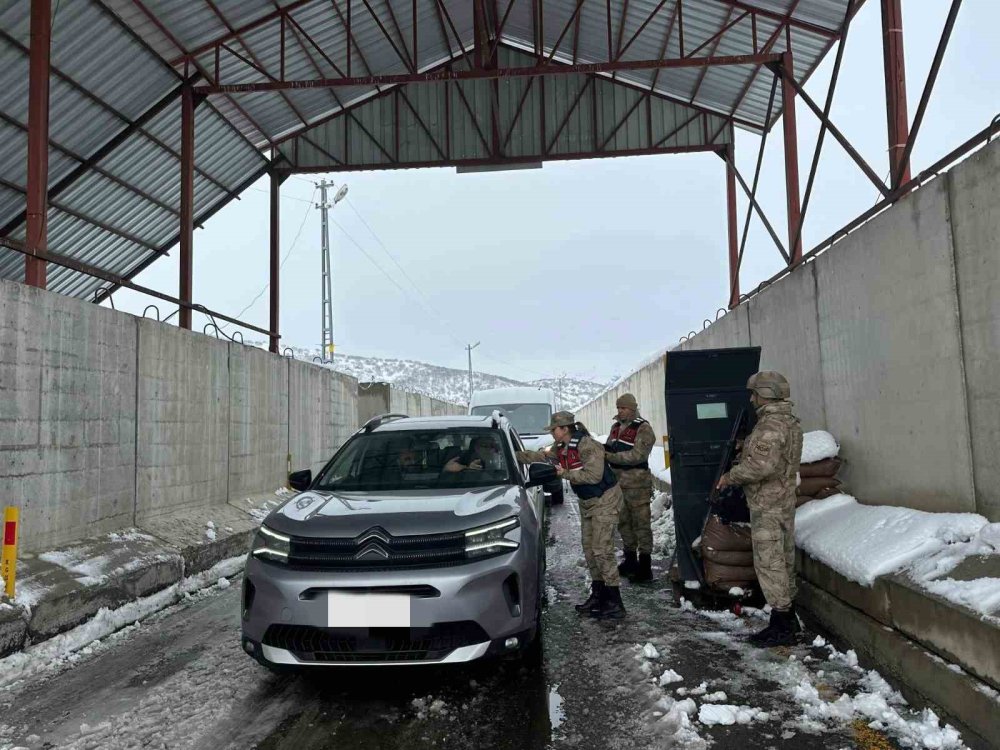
x=115, y=61
x=553, y=117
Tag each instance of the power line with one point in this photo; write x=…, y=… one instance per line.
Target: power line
x=282, y=264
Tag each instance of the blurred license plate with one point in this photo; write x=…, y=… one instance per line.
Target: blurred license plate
x=368, y=610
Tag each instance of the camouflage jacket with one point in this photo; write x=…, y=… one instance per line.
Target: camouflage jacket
x=624, y=464
x=591, y=454
x=770, y=458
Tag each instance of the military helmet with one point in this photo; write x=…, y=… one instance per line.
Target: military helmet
x=769, y=384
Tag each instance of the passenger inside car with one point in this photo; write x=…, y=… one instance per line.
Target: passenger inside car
x=483, y=453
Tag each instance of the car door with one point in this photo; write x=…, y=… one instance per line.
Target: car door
x=535, y=497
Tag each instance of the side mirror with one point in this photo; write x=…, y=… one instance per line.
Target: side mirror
x=541, y=473
x=300, y=480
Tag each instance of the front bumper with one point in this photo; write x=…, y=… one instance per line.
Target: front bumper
x=457, y=614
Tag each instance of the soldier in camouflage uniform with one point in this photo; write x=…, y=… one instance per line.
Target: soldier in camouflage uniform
x=627, y=449
x=580, y=460
x=766, y=471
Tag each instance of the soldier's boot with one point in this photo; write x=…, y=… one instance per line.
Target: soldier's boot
x=760, y=636
x=629, y=563
x=644, y=570
x=780, y=633
x=596, y=589
x=611, y=606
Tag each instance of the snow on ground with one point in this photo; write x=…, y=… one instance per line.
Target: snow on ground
x=67, y=648
x=821, y=689
x=658, y=465
x=663, y=524
x=862, y=542
x=817, y=445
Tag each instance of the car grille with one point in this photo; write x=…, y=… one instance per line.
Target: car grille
x=374, y=644
x=376, y=549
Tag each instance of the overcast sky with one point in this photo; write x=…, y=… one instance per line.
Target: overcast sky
x=584, y=268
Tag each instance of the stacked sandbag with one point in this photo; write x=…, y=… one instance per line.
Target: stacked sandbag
x=819, y=467
x=727, y=552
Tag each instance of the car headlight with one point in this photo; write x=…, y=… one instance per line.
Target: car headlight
x=494, y=539
x=268, y=544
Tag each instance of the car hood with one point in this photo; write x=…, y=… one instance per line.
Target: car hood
x=401, y=513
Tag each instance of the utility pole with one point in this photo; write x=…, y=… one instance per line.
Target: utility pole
x=326, y=278
x=469, y=348
x=559, y=398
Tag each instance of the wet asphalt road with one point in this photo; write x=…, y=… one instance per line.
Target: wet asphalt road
x=181, y=681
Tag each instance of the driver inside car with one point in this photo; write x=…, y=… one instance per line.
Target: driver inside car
x=483, y=453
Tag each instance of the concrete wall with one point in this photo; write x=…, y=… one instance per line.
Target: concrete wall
x=891, y=341
x=108, y=420
x=646, y=384
x=373, y=399
x=419, y=405
x=320, y=414
x=67, y=414
x=258, y=421
x=183, y=411
x=974, y=192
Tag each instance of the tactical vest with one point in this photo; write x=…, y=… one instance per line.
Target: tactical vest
x=621, y=440
x=569, y=459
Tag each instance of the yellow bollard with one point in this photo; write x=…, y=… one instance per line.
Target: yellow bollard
x=8, y=558
x=666, y=453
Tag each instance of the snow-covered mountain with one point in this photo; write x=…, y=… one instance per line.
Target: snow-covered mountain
x=448, y=383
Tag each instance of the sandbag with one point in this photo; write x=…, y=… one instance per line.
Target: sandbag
x=811, y=485
x=828, y=467
x=801, y=500
x=726, y=538
x=728, y=557
x=829, y=492
x=727, y=576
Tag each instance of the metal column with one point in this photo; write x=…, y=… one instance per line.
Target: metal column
x=38, y=140
x=275, y=262
x=791, y=161
x=734, y=259
x=895, y=90
x=187, y=204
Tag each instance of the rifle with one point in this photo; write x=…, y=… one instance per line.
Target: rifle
x=726, y=461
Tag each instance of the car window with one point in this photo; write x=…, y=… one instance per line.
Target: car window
x=425, y=459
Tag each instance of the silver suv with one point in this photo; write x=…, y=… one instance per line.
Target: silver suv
x=420, y=542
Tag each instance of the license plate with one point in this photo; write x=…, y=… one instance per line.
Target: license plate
x=368, y=610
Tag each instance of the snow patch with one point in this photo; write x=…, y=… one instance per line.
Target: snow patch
x=818, y=445
x=726, y=715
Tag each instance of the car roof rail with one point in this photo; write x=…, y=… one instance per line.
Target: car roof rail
x=381, y=419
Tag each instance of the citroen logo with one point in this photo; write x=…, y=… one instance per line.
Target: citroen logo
x=373, y=534
x=374, y=549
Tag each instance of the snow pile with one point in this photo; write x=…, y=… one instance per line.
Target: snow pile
x=712, y=714
x=880, y=705
x=981, y=595
x=662, y=515
x=669, y=677
x=62, y=648
x=210, y=531
x=658, y=464
x=862, y=542
x=649, y=651
x=818, y=445
x=674, y=722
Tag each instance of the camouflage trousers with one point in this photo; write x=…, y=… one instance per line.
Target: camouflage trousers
x=773, y=532
x=635, y=522
x=598, y=518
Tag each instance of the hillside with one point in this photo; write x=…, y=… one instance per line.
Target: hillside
x=447, y=383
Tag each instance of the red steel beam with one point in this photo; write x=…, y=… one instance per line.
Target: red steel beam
x=895, y=90
x=38, y=140
x=275, y=261
x=480, y=73
x=733, y=231
x=791, y=138
x=185, y=282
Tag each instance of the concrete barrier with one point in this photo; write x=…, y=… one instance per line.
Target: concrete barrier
x=891, y=340
x=320, y=414
x=182, y=455
x=67, y=415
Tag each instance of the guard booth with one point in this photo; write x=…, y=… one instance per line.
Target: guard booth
x=705, y=393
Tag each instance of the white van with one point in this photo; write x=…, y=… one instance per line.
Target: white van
x=529, y=411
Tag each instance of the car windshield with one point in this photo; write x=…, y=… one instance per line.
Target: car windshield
x=527, y=419
x=412, y=460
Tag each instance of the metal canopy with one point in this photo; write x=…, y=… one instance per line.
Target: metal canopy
x=443, y=81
